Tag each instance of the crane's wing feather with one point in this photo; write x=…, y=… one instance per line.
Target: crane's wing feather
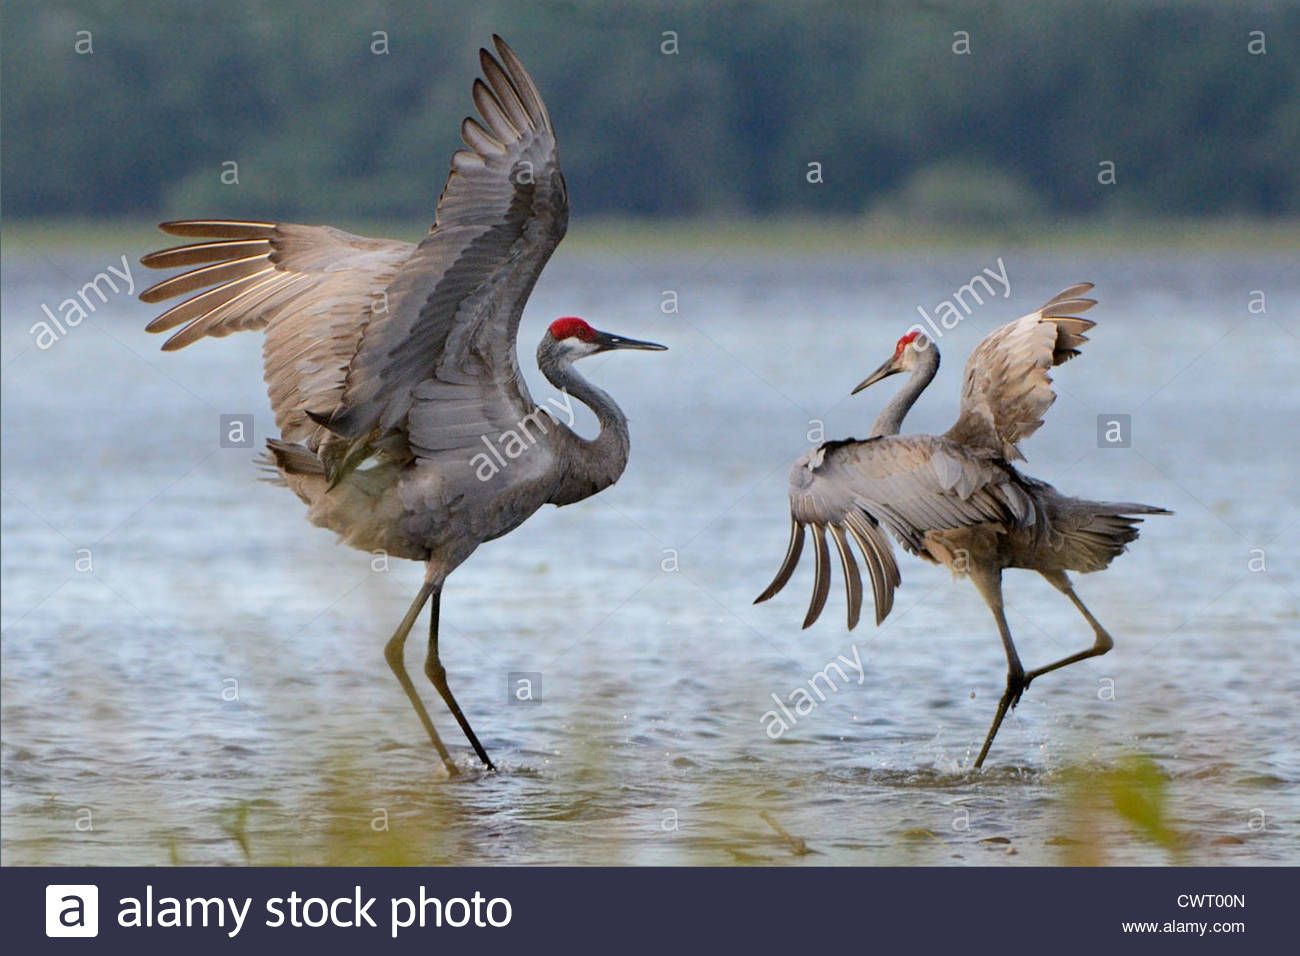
x=1007, y=388
x=440, y=363
x=910, y=485
x=311, y=288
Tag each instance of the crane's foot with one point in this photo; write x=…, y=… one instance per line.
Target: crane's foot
x=1016, y=684
x=438, y=675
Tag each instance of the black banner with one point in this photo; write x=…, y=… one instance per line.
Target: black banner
x=195, y=910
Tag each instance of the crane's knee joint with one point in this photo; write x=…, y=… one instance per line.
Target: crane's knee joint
x=434, y=670
x=393, y=653
x=1104, y=642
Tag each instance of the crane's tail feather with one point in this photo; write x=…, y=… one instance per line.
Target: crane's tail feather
x=876, y=553
x=1092, y=534
x=1131, y=508
x=290, y=458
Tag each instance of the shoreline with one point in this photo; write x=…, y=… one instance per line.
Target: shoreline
x=597, y=235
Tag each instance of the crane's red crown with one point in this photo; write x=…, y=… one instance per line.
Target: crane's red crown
x=905, y=341
x=571, y=326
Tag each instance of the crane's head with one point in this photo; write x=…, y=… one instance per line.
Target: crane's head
x=572, y=338
x=907, y=355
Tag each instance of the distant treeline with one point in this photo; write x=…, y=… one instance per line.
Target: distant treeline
x=350, y=108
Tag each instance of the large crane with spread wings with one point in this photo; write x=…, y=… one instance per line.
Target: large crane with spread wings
x=391, y=366
x=956, y=499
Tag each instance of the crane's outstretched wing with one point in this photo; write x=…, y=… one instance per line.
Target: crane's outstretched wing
x=311, y=288
x=1007, y=388
x=911, y=485
x=440, y=364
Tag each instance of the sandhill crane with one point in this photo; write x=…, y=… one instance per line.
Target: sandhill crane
x=956, y=499
x=401, y=357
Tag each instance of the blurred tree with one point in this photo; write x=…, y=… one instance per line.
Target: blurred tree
x=349, y=108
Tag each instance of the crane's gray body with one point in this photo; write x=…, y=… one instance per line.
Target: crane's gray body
x=438, y=508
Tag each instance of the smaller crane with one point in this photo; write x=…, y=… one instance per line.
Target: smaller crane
x=956, y=499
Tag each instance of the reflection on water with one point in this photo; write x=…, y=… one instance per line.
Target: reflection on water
x=204, y=682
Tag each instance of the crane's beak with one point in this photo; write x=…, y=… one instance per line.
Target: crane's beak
x=608, y=341
x=886, y=370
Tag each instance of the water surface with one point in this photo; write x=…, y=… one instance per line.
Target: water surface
x=123, y=740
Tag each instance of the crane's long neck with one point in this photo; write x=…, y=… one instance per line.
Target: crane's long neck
x=590, y=465
x=891, y=418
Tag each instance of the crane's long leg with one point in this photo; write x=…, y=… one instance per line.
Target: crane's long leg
x=1101, y=644
x=438, y=674
x=393, y=653
x=989, y=583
